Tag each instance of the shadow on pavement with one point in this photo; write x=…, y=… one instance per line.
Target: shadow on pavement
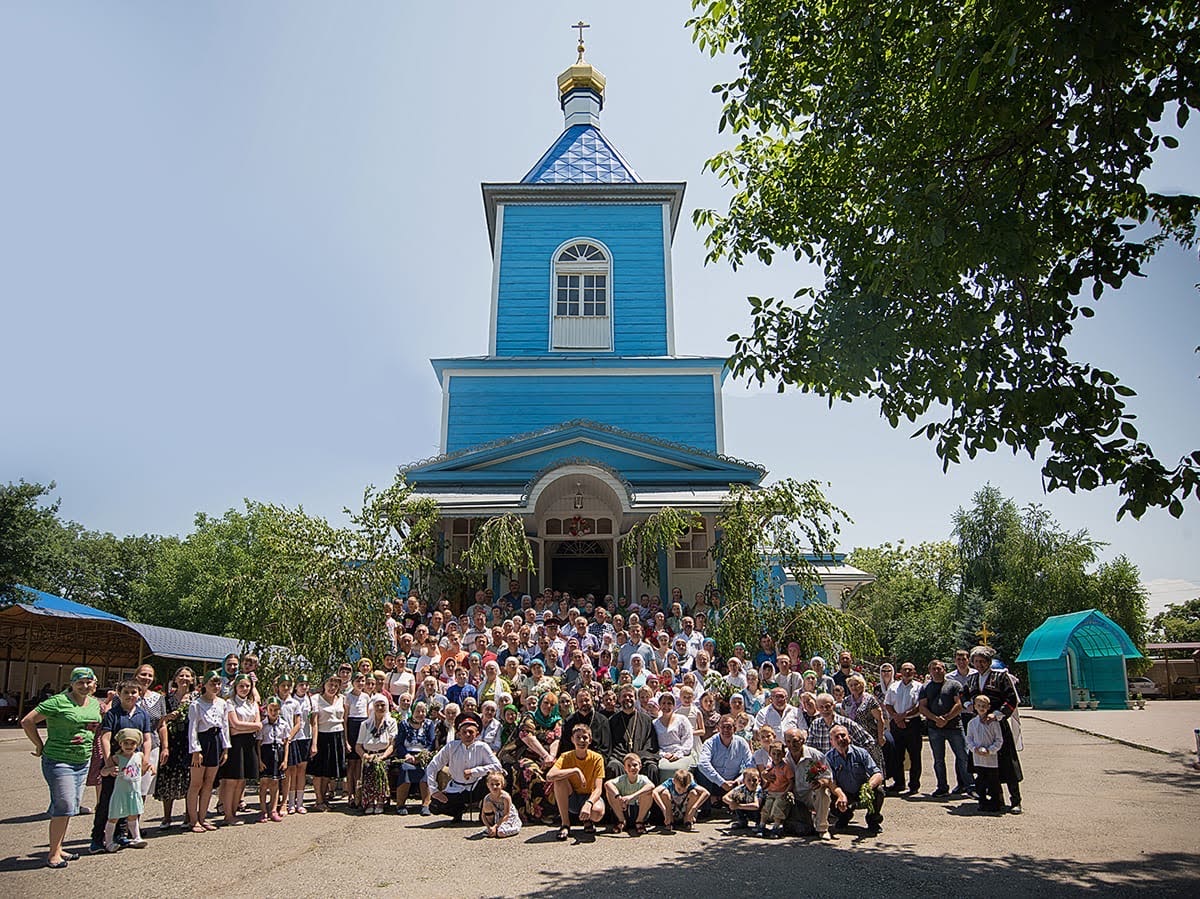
x=816, y=869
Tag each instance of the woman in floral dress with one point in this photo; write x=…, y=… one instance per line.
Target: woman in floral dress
x=536, y=750
x=174, y=777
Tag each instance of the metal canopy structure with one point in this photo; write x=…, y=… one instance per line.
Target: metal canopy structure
x=48, y=629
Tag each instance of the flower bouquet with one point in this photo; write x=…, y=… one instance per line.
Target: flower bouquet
x=866, y=798
x=818, y=770
x=715, y=683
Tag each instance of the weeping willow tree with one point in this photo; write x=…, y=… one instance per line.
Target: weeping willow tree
x=499, y=544
x=317, y=590
x=647, y=540
x=785, y=525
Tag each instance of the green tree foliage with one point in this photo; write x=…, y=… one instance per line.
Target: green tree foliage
x=818, y=628
x=27, y=527
x=1009, y=568
x=499, y=544
x=40, y=550
x=659, y=532
x=968, y=178
x=783, y=522
x=981, y=532
x=1179, y=623
x=912, y=603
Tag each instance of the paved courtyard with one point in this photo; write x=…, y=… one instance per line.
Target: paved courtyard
x=1099, y=817
x=1163, y=725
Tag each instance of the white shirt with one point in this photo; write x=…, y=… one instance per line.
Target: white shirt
x=204, y=716
x=274, y=734
x=490, y=734
x=299, y=707
x=458, y=757
x=358, y=706
x=902, y=698
x=377, y=742
x=401, y=682
x=245, y=710
x=331, y=716
x=780, y=722
x=677, y=738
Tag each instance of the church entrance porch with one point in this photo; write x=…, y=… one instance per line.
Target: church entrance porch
x=580, y=566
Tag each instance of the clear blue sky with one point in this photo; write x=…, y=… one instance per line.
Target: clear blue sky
x=234, y=233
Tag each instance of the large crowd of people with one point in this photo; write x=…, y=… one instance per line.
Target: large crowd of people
x=546, y=710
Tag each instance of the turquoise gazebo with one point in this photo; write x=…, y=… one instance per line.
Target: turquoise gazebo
x=1080, y=651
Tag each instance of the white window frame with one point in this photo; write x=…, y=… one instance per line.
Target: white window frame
x=686, y=547
x=606, y=269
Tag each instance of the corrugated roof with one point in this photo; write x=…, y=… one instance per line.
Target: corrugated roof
x=582, y=155
x=1094, y=632
x=43, y=603
x=160, y=641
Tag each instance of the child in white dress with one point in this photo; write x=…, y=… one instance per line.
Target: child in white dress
x=500, y=818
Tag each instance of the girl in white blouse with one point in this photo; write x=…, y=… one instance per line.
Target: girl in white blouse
x=675, y=738
x=208, y=742
x=245, y=721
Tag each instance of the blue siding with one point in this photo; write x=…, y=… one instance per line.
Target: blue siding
x=633, y=234
x=679, y=408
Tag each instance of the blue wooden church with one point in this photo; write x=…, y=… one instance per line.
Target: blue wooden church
x=582, y=417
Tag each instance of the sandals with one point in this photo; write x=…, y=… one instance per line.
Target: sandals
x=590, y=827
x=564, y=833
x=58, y=865
x=614, y=828
x=668, y=827
x=640, y=828
x=208, y=826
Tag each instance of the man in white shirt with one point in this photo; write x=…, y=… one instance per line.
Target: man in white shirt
x=469, y=761
x=787, y=678
x=903, y=707
x=778, y=715
x=695, y=639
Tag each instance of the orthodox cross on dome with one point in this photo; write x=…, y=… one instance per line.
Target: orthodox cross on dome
x=984, y=634
x=580, y=25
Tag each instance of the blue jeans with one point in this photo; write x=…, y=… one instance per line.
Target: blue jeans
x=66, y=782
x=938, y=737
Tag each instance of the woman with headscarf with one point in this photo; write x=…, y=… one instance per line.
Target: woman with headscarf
x=174, y=774
x=416, y=741
x=676, y=739
x=65, y=753
x=999, y=688
x=538, y=740
x=376, y=743
x=492, y=682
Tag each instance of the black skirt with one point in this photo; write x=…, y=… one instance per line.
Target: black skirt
x=272, y=759
x=353, y=726
x=298, y=752
x=330, y=760
x=242, y=762
x=210, y=747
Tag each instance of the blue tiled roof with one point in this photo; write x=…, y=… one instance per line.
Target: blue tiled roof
x=582, y=155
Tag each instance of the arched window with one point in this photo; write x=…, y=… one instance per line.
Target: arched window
x=582, y=306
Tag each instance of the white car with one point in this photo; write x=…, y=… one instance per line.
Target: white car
x=1148, y=688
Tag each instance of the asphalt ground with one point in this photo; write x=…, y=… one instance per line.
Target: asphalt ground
x=1100, y=818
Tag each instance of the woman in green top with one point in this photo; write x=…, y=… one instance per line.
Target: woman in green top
x=65, y=753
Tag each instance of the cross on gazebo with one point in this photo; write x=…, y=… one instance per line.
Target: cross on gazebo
x=984, y=634
x=581, y=25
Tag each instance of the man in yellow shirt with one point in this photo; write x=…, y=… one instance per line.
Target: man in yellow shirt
x=578, y=779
